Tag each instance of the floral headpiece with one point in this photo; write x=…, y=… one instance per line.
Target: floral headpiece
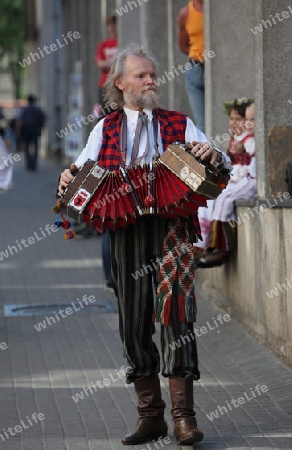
x=238, y=102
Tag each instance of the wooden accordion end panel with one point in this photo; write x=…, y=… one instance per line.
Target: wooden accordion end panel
x=194, y=174
x=81, y=189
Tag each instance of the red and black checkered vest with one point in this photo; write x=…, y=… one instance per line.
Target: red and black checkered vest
x=172, y=128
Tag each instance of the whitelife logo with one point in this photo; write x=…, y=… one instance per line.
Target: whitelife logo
x=24, y=243
x=130, y=4
x=24, y=425
x=198, y=332
x=247, y=396
x=65, y=313
x=93, y=387
x=9, y=159
x=271, y=22
x=53, y=47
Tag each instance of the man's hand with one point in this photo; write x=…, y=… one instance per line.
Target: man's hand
x=66, y=177
x=205, y=152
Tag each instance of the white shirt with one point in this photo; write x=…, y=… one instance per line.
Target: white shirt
x=93, y=146
x=249, y=146
x=241, y=171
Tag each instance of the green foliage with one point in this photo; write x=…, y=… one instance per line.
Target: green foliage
x=12, y=39
x=11, y=27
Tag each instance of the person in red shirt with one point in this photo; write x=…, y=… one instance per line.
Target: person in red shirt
x=105, y=54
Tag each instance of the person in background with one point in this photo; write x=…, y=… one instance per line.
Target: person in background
x=105, y=53
x=30, y=123
x=191, y=42
x=2, y=123
x=6, y=167
x=242, y=185
x=15, y=143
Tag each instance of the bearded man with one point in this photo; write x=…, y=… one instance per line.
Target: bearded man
x=132, y=85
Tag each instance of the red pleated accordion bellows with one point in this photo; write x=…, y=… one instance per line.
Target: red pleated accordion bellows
x=175, y=186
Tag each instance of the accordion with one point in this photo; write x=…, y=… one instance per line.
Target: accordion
x=175, y=185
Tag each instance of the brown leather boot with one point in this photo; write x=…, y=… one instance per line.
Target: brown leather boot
x=182, y=398
x=151, y=424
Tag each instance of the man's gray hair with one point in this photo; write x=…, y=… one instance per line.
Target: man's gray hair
x=112, y=93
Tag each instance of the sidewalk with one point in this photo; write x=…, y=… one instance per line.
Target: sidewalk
x=42, y=370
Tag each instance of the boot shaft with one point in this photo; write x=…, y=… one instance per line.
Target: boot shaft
x=150, y=403
x=182, y=396
x=182, y=399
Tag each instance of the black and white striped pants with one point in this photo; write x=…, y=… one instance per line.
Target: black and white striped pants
x=134, y=251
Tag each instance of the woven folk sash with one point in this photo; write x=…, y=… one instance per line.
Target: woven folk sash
x=176, y=265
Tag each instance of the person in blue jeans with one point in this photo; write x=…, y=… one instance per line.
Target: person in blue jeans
x=195, y=86
x=31, y=121
x=191, y=42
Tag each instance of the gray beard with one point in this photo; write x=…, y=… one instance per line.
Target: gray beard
x=149, y=101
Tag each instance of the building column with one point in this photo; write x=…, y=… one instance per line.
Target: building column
x=230, y=73
x=273, y=96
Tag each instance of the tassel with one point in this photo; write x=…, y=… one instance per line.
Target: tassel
x=181, y=306
x=70, y=234
x=58, y=223
x=165, y=316
x=56, y=209
x=66, y=224
x=149, y=201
